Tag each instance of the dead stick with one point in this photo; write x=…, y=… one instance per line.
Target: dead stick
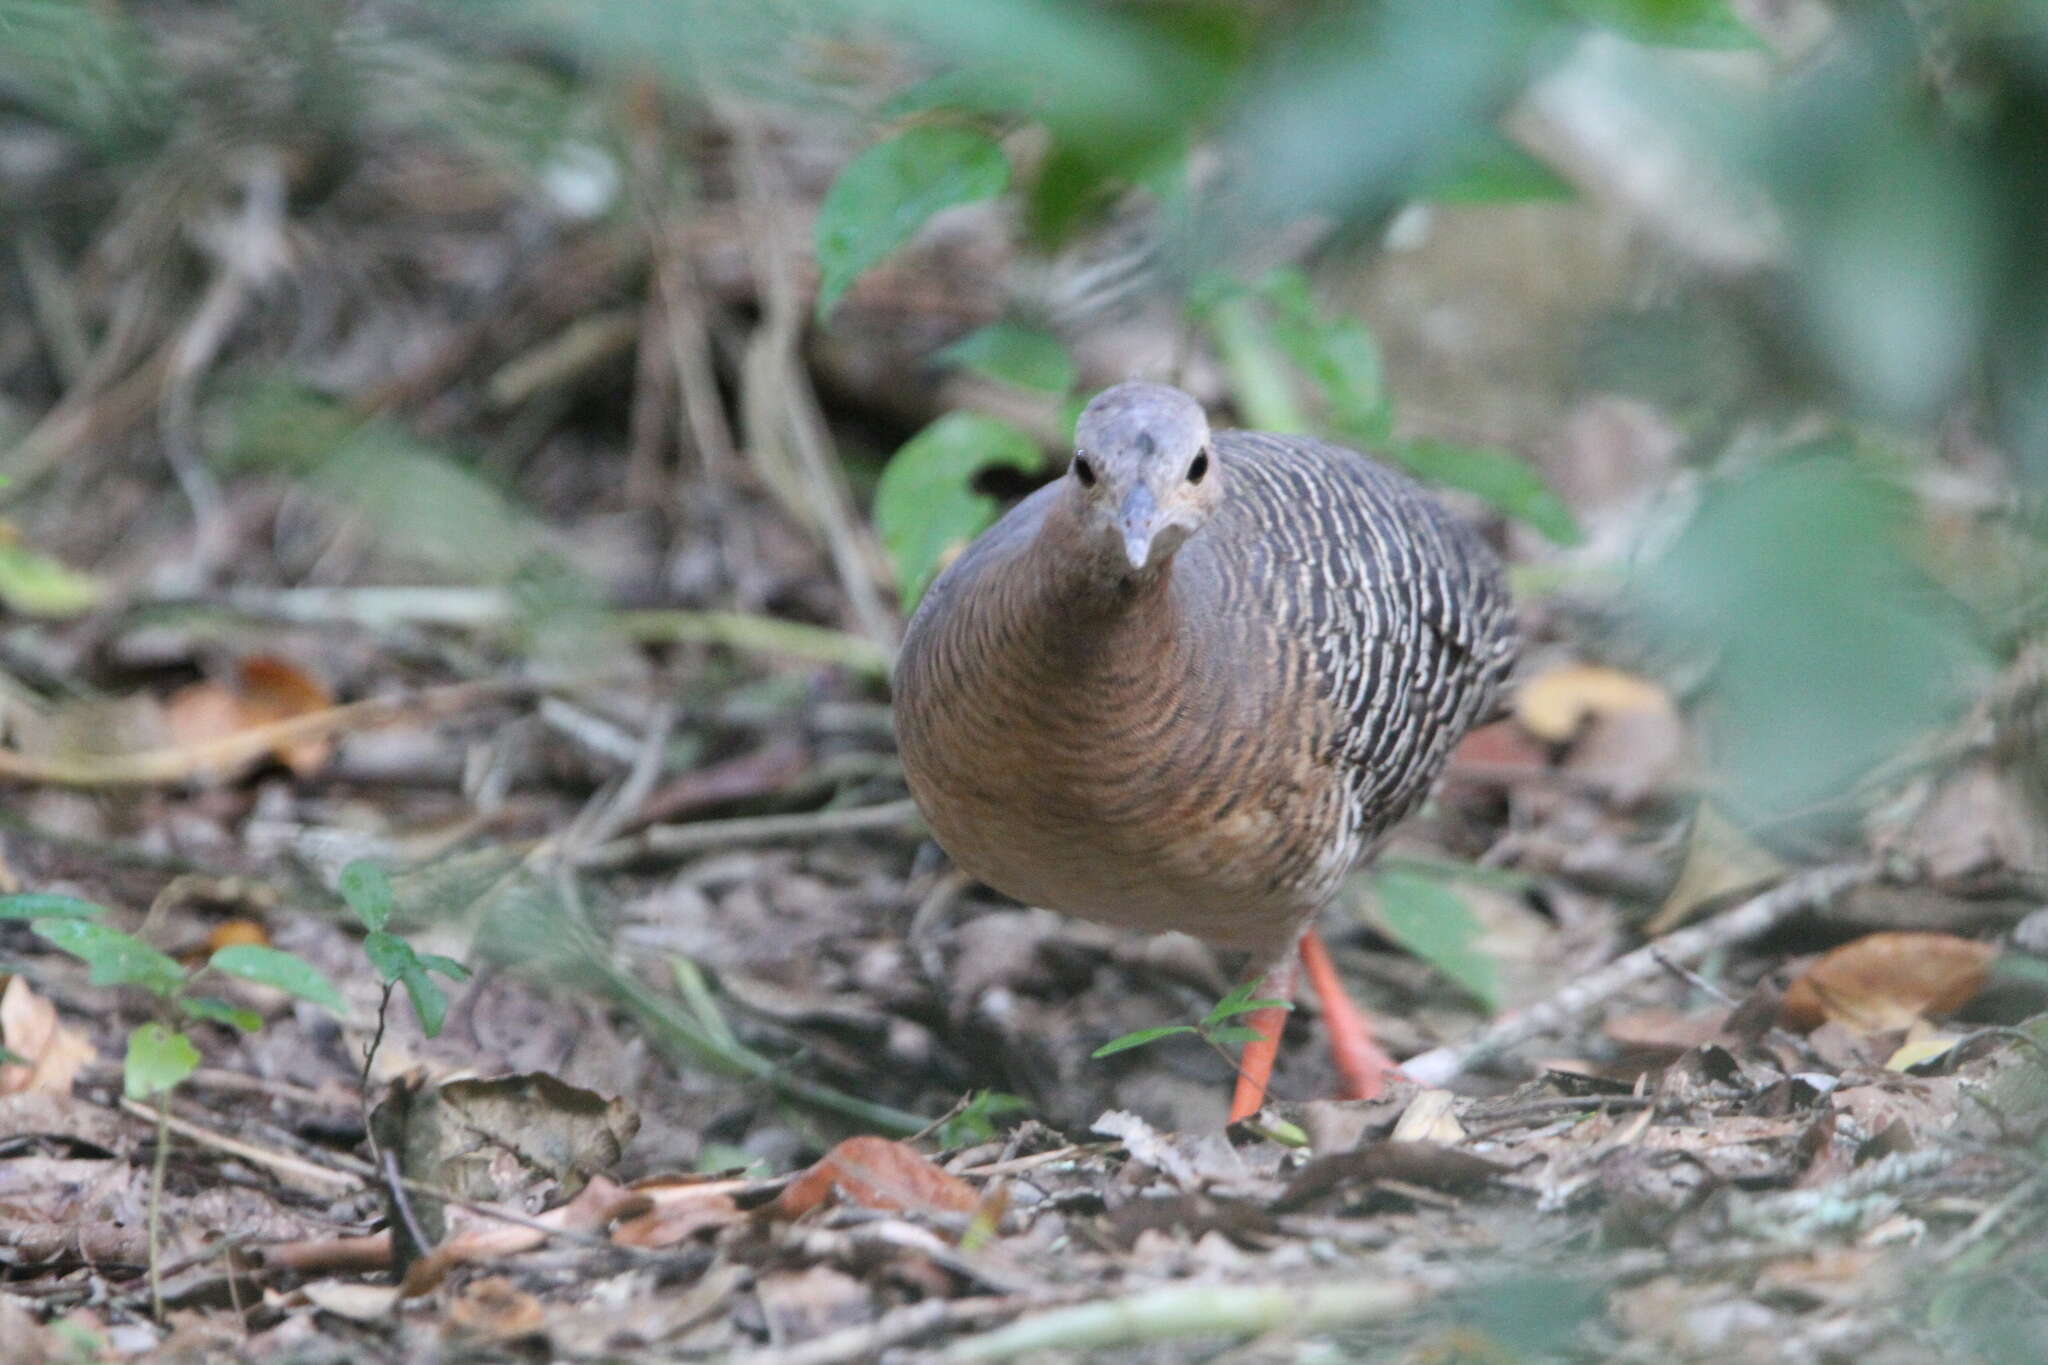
x=1751, y=919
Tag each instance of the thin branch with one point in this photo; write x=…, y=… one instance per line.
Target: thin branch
x=1751, y=919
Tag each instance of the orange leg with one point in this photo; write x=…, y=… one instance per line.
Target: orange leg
x=1360, y=1061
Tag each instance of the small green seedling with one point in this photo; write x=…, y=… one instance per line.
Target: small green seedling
x=975, y=1118
x=1215, y=1029
x=160, y=1052
x=367, y=890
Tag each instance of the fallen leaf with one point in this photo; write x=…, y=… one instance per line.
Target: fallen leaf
x=52, y=1054
x=347, y=1299
x=1429, y=1118
x=495, y=1309
x=271, y=690
x=1554, y=704
x=876, y=1173
x=236, y=933
x=266, y=690
x=1923, y=1043
x=1888, y=981
x=681, y=1207
x=1721, y=863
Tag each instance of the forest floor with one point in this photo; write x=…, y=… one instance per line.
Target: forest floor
x=741, y=1073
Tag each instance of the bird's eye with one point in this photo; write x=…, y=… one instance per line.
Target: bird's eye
x=1084, y=471
x=1199, y=467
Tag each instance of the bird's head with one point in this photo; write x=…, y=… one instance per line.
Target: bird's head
x=1143, y=475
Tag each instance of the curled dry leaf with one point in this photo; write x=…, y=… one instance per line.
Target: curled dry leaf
x=266, y=689
x=876, y=1173
x=30, y=1029
x=495, y=1309
x=1554, y=704
x=1888, y=981
x=236, y=933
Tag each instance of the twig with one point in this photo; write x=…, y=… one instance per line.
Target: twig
x=672, y=841
x=156, y=1198
x=479, y=608
x=893, y=1328
x=155, y=767
x=247, y=1151
x=1751, y=919
x=1244, y=1310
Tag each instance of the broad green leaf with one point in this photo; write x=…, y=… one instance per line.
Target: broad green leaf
x=116, y=959
x=391, y=955
x=1015, y=354
x=281, y=970
x=428, y=1001
x=1670, y=23
x=1241, y=1001
x=1140, y=1038
x=926, y=505
x=158, y=1058
x=1488, y=169
x=36, y=585
x=366, y=887
x=221, y=1012
x=44, y=905
x=1339, y=356
x=1433, y=922
x=446, y=966
x=1498, y=477
x=887, y=193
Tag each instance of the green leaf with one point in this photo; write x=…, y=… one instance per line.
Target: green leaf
x=1011, y=353
x=116, y=959
x=886, y=194
x=926, y=505
x=366, y=887
x=221, y=1012
x=391, y=955
x=44, y=905
x=1433, y=922
x=36, y=585
x=1339, y=356
x=429, y=1004
x=1140, y=1038
x=283, y=971
x=1670, y=23
x=1241, y=1001
x=1498, y=477
x=1488, y=169
x=446, y=966
x=1232, y=1035
x=158, y=1058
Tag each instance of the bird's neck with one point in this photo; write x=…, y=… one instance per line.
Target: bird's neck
x=1089, y=613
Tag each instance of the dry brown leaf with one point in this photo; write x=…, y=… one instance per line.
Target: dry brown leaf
x=236, y=933
x=266, y=690
x=876, y=1173
x=683, y=1206
x=29, y=1029
x=1430, y=1117
x=1721, y=862
x=1888, y=981
x=495, y=1309
x=269, y=690
x=1554, y=704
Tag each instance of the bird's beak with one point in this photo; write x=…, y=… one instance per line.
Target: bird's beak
x=1138, y=520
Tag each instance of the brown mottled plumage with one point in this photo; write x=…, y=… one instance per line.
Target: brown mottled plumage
x=1190, y=684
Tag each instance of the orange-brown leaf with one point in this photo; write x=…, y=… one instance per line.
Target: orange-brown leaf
x=1887, y=981
x=877, y=1173
x=272, y=690
x=29, y=1028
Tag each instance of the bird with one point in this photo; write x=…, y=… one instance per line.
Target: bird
x=1193, y=681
